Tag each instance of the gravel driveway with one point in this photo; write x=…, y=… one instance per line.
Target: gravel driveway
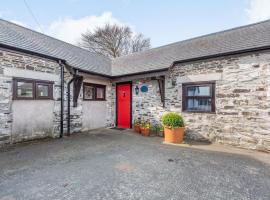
x=113, y=164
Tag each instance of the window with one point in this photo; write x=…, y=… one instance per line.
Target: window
x=199, y=97
x=44, y=90
x=32, y=89
x=89, y=92
x=94, y=92
x=25, y=89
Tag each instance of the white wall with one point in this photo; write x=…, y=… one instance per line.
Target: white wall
x=95, y=113
x=32, y=119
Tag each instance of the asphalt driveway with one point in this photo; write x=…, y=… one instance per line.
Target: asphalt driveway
x=112, y=164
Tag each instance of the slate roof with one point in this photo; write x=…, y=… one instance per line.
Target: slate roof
x=233, y=40
x=23, y=38
x=237, y=39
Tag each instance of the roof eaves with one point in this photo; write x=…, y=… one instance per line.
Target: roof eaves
x=4, y=46
x=231, y=53
x=191, y=39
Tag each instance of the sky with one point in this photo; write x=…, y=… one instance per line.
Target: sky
x=163, y=21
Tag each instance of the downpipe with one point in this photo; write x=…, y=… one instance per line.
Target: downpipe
x=68, y=106
x=62, y=99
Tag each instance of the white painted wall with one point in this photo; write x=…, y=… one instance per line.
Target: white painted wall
x=95, y=113
x=32, y=119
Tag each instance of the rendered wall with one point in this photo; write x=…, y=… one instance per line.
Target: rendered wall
x=32, y=119
x=95, y=113
x=20, y=119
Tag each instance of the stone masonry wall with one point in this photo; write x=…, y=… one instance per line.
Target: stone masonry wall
x=78, y=112
x=242, y=115
x=145, y=106
x=75, y=112
x=25, y=63
x=242, y=98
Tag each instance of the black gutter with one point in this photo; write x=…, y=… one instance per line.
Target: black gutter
x=114, y=77
x=92, y=73
x=62, y=100
x=144, y=72
x=222, y=54
x=140, y=73
x=30, y=52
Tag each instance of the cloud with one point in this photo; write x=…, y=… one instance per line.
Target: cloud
x=70, y=30
x=258, y=10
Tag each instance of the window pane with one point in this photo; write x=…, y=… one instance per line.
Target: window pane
x=24, y=89
x=100, y=93
x=89, y=92
x=199, y=104
x=42, y=90
x=198, y=91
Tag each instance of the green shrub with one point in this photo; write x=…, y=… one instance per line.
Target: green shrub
x=146, y=125
x=142, y=122
x=137, y=122
x=161, y=128
x=172, y=120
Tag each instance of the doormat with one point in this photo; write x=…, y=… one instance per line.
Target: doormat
x=119, y=129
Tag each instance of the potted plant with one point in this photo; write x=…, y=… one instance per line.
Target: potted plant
x=145, y=128
x=136, y=126
x=173, y=127
x=157, y=130
x=160, y=131
x=153, y=130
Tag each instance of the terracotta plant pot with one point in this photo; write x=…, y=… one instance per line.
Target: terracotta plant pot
x=175, y=135
x=137, y=128
x=145, y=131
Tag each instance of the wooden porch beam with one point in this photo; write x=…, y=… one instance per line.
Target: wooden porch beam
x=161, y=85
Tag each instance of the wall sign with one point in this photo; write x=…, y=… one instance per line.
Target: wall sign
x=144, y=88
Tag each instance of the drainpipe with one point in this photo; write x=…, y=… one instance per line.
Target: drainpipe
x=68, y=99
x=62, y=100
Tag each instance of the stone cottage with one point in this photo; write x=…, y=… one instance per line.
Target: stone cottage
x=219, y=82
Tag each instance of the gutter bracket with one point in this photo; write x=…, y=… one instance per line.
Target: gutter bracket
x=76, y=91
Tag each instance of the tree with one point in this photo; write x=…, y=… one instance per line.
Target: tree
x=114, y=41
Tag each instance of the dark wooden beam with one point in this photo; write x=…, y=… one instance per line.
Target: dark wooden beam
x=161, y=85
x=76, y=89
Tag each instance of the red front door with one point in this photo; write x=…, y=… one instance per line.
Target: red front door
x=123, y=105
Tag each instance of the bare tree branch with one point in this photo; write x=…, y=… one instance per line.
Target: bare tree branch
x=113, y=41
x=139, y=43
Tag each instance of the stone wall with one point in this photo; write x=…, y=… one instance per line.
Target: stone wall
x=145, y=106
x=5, y=108
x=14, y=64
x=148, y=105
x=242, y=99
x=242, y=116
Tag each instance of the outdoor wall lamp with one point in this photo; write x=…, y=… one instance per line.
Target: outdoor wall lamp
x=137, y=90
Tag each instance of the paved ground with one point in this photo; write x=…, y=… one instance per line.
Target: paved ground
x=111, y=164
